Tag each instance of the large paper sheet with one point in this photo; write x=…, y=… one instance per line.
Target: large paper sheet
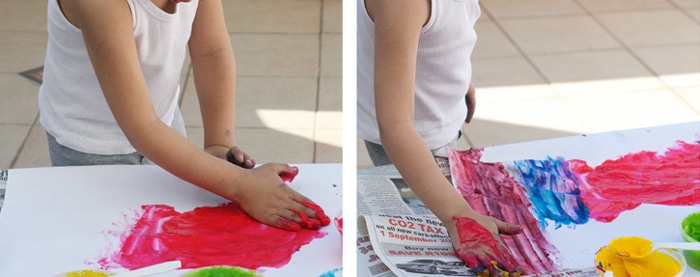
x=58, y=219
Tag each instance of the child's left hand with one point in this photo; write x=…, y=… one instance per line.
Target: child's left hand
x=234, y=155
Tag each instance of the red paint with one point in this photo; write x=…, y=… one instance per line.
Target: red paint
x=643, y=177
x=339, y=224
x=207, y=236
x=320, y=214
x=490, y=190
x=288, y=176
x=289, y=225
x=476, y=241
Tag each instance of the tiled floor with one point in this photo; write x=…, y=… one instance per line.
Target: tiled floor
x=542, y=68
x=288, y=57
x=553, y=68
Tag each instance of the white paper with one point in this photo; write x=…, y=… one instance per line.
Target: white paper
x=54, y=219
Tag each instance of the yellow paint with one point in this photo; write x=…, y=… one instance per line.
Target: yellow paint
x=630, y=256
x=87, y=273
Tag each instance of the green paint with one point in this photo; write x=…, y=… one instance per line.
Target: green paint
x=691, y=226
x=222, y=271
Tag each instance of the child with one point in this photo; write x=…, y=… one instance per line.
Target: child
x=110, y=97
x=414, y=93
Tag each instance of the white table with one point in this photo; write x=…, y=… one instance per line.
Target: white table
x=54, y=219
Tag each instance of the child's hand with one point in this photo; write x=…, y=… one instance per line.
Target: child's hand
x=264, y=196
x=234, y=155
x=477, y=243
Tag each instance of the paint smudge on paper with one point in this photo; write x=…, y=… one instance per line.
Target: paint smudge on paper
x=205, y=236
x=333, y=273
x=643, y=177
x=490, y=190
x=222, y=271
x=569, y=192
x=86, y=273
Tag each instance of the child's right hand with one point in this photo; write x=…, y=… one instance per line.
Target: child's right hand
x=477, y=243
x=265, y=197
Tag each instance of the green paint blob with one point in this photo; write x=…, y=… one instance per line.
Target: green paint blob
x=691, y=226
x=222, y=271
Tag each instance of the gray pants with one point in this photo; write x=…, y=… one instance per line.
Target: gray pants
x=64, y=156
x=379, y=157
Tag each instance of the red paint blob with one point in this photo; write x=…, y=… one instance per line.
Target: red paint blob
x=320, y=214
x=207, y=236
x=288, y=176
x=643, y=177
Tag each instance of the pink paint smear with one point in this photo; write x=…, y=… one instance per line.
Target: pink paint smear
x=529, y=192
x=205, y=236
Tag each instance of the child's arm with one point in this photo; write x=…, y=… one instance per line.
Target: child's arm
x=214, y=70
x=397, y=30
x=107, y=32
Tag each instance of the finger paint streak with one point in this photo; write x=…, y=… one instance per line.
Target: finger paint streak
x=569, y=192
x=320, y=214
x=206, y=236
x=490, y=190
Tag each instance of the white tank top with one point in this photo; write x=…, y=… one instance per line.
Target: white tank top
x=71, y=104
x=443, y=72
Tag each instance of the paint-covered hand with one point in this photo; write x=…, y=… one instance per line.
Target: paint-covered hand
x=266, y=197
x=477, y=243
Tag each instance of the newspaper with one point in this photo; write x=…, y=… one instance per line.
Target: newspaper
x=399, y=236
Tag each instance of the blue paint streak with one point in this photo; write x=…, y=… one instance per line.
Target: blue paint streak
x=553, y=190
x=332, y=272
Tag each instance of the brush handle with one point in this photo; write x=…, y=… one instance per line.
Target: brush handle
x=678, y=245
x=153, y=269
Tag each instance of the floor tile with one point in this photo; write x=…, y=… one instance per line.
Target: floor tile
x=629, y=5
x=694, y=13
x=630, y=110
x=687, y=3
x=647, y=28
x=19, y=104
x=277, y=55
x=504, y=72
x=330, y=106
x=329, y=146
x=276, y=102
x=278, y=145
x=505, y=122
x=677, y=66
x=595, y=72
x=273, y=16
x=500, y=9
x=21, y=50
x=691, y=97
x=35, y=152
x=23, y=15
x=332, y=16
x=189, y=106
x=196, y=136
x=363, y=159
x=559, y=34
x=492, y=42
x=331, y=55
x=12, y=137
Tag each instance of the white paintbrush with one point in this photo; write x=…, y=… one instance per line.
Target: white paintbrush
x=152, y=269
